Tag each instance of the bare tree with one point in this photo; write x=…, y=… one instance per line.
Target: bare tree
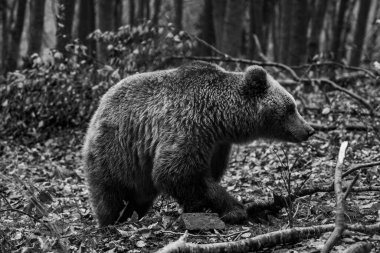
x=218, y=13
x=206, y=27
x=156, y=11
x=233, y=28
x=255, y=26
x=316, y=27
x=86, y=23
x=37, y=14
x=360, y=31
x=178, y=13
x=339, y=28
x=16, y=33
x=65, y=23
x=132, y=12
x=104, y=20
x=298, y=33
x=286, y=7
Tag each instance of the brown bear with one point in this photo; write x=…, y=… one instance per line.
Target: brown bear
x=171, y=132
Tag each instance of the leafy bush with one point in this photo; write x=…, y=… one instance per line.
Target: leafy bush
x=64, y=91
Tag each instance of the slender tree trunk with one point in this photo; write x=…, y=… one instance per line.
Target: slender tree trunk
x=104, y=20
x=37, y=14
x=147, y=9
x=316, y=27
x=14, y=51
x=132, y=12
x=275, y=33
x=286, y=7
x=339, y=28
x=178, y=7
x=298, y=39
x=233, y=27
x=218, y=12
x=118, y=14
x=140, y=10
x=347, y=29
x=255, y=26
x=87, y=24
x=4, y=35
x=268, y=18
x=156, y=11
x=360, y=31
x=65, y=23
x=206, y=27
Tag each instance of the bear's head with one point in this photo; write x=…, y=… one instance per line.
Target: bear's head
x=274, y=114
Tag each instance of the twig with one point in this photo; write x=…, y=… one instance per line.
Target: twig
x=349, y=188
x=340, y=202
x=360, y=166
x=30, y=216
x=172, y=247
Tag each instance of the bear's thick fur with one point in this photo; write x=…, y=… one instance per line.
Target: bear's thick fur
x=171, y=131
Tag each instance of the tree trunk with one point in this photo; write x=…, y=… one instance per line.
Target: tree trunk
x=147, y=10
x=316, y=27
x=156, y=13
x=132, y=12
x=65, y=23
x=360, y=31
x=104, y=20
x=140, y=10
x=255, y=26
x=298, y=33
x=206, y=27
x=4, y=35
x=118, y=14
x=14, y=52
x=338, y=29
x=233, y=27
x=286, y=7
x=87, y=24
x=218, y=13
x=37, y=14
x=178, y=11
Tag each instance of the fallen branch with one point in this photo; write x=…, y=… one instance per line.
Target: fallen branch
x=340, y=223
x=259, y=242
x=360, y=247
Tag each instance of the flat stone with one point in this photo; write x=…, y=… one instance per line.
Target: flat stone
x=202, y=221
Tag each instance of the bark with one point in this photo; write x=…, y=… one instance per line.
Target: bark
x=147, y=9
x=156, y=11
x=65, y=23
x=298, y=31
x=339, y=29
x=4, y=35
x=37, y=14
x=218, y=12
x=316, y=27
x=231, y=40
x=255, y=26
x=118, y=14
x=14, y=51
x=87, y=24
x=104, y=21
x=131, y=12
x=360, y=32
x=206, y=27
x=178, y=12
x=140, y=10
x=286, y=24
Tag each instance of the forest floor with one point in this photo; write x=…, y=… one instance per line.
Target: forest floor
x=44, y=203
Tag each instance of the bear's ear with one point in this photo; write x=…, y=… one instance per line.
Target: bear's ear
x=255, y=80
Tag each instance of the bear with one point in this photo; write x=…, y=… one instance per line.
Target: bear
x=171, y=131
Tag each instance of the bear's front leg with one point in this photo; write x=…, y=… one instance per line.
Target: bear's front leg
x=187, y=177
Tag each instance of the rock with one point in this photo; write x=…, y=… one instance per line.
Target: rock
x=202, y=221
